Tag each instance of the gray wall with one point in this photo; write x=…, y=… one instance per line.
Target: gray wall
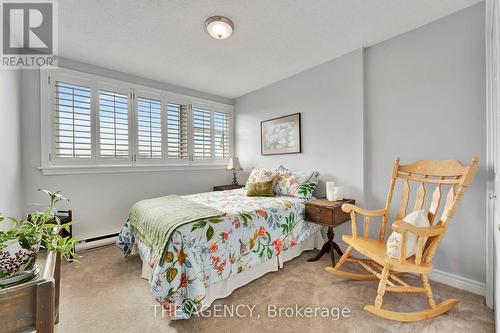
x=100, y=202
x=11, y=198
x=424, y=99
x=96, y=70
x=330, y=99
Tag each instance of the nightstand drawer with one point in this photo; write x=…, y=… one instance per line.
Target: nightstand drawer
x=319, y=215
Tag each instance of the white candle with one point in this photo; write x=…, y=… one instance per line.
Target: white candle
x=331, y=195
x=330, y=186
x=339, y=192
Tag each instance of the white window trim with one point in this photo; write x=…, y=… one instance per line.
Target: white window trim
x=53, y=166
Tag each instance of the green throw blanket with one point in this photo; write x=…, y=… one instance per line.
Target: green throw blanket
x=154, y=220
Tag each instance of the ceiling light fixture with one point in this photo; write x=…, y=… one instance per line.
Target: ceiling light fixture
x=219, y=27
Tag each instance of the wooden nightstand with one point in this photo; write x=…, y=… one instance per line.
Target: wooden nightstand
x=330, y=214
x=227, y=187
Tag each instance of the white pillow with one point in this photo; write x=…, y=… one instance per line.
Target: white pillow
x=418, y=219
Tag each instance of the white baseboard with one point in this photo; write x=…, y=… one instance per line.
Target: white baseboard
x=87, y=245
x=456, y=281
x=459, y=282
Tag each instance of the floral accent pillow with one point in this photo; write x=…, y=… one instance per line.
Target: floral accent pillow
x=298, y=184
x=261, y=175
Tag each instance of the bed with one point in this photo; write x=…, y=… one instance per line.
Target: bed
x=209, y=258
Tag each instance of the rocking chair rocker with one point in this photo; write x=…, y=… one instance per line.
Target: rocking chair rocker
x=379, y=265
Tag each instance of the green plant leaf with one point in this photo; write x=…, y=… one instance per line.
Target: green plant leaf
x=199, y=225
x=171, y=274
x=306, y=189
x=269, y=253
x=210, y=233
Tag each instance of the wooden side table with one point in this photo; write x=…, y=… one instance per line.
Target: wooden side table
x=330, y=214
x=227, y=187
x=33, y=305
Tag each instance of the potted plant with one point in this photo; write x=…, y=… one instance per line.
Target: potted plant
x=21, y=240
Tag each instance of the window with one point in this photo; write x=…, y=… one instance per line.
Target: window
x=177, y=131
x=113, y=125
x=95, y=124
x=149, y=133
x=202, y=133
x=72, y=124
x=222, y=136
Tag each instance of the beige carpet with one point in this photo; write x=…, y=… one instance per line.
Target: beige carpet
x=106, y=294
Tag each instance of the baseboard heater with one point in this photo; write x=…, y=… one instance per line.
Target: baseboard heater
x=95, y=242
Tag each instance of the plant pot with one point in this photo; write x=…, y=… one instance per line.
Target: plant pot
x=16, y=260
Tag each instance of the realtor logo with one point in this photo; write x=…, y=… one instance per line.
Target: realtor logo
x=29, y=34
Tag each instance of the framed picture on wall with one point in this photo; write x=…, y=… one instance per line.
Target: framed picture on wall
x=280, y=135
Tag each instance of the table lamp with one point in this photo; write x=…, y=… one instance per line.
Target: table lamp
x=234, y=165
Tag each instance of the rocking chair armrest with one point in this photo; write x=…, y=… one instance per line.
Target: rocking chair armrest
x=401, y=227
x=350, y=207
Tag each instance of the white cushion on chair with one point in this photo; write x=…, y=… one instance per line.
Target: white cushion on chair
x=418, y=219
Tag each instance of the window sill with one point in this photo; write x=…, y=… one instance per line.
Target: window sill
x=90, y=169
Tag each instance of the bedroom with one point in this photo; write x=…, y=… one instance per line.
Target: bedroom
x=170, y=99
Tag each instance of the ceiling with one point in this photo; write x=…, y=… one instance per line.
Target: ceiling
x=166, y=40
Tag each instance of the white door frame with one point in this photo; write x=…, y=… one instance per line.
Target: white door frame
x=492, y=158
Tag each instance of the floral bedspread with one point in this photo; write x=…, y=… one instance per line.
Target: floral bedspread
x=255, y=229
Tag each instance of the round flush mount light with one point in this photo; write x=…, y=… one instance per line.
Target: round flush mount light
x=219, y=27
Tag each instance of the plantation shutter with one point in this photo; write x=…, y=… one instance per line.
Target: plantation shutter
x=177, y=131
x=72, y=121
x=149, y=132
x=222, y=137
x=89, y=120
x=202, y=133
x=113, y=124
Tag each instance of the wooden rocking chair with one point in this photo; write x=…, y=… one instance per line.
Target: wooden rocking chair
x=450, y=173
